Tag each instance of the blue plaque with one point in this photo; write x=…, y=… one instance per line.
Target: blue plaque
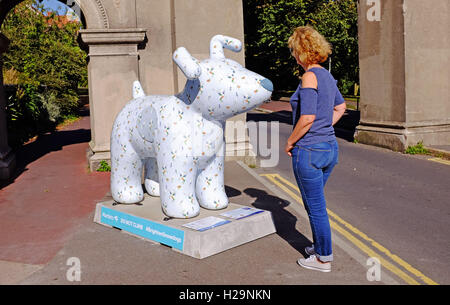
x=142, y=227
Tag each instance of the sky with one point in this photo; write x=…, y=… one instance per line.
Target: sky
x=56, y=6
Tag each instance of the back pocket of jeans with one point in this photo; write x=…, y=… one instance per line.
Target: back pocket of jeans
x=319, y=159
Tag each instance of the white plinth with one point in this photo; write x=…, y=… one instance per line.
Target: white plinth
x=149, y=222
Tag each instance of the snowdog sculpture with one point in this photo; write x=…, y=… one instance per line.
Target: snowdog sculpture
x=179, y=139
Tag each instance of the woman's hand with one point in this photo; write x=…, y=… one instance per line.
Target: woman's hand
x=288, y=148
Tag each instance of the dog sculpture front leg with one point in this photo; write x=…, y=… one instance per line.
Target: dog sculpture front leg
x=210, y=188
x=177, y=175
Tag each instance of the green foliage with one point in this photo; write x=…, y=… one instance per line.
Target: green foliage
x=417, y=149
x=46, y=65
x=338, y=22
x=104, y=167
x=269, y=24
x=26, y=114
x=50, y=103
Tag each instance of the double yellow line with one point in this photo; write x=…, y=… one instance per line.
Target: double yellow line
x=439, y=160
x=354, y=236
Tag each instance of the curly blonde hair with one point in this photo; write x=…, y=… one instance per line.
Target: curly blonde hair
x=309, y=46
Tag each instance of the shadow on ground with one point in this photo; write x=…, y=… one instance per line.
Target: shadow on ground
x=279, y=116
x=346, y=127
x=284, y=221
x=232, y=192
x=44, y=144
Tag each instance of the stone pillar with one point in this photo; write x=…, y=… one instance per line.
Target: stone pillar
x=7, y=158
x=113, y=67
x=404, y=59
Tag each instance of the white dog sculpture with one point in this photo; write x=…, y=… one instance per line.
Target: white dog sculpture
x=180, y=139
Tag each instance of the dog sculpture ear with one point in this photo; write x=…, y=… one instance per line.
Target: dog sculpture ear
x=219, y=42
x=188, y=64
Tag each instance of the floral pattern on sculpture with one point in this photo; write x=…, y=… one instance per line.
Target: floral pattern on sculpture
x=179, y=140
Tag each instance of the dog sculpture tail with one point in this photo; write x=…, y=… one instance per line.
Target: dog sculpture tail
x=137, y=90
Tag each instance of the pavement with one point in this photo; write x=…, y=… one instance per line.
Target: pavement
x=389, y=205
x=42, y=205
x=46, y=220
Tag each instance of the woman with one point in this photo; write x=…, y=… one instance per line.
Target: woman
x=316, y=106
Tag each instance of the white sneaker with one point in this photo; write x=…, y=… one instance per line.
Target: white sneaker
x=313, y=263
x=310, y=250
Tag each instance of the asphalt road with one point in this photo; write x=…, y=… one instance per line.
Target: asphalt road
x=392, y=206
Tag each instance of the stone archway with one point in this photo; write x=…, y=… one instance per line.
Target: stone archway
x=398, y=106
x=93, y=11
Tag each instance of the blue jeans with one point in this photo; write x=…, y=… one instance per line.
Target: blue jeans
x=312, y=166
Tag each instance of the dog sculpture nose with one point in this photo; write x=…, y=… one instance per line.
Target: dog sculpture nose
x=267, y=84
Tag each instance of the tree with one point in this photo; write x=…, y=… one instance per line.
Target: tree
x=338, y=22
x=45, y=53
x=45, y=64
x=269, y=24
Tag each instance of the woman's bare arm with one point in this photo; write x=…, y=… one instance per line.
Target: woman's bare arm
x=338, y=112
x=303, y=125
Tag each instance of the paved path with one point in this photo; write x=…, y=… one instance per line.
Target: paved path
x=41, y=207
x=46, y=217
x=389, y=205
x=108, y=256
